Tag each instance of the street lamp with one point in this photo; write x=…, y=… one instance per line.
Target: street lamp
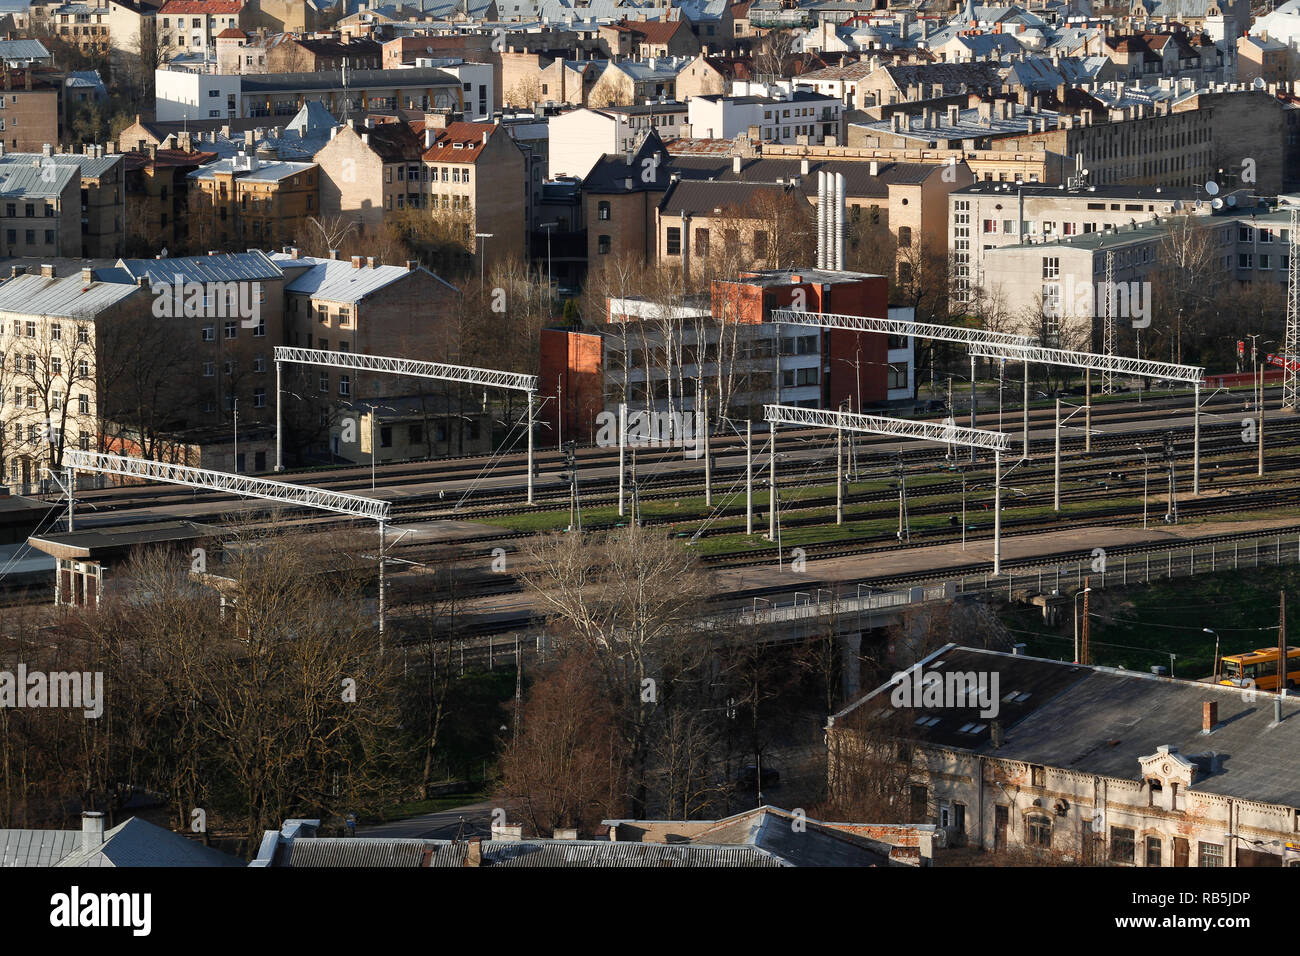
x=1209, y=630
x=374, y=449
x=482, y=251
x=549, y=226
x=1076, y=621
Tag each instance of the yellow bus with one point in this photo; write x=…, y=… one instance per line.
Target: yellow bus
x=1259, y=666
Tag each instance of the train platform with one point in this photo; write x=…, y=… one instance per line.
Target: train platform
x=937, y=559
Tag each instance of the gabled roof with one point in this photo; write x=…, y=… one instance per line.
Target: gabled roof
x=393, y=142
x=230, y=33
x=459, y=143
x=36, y=847
x=140, y=843
x=338, y=280
x=69, y=297
x=35, y=182
x=226, y=267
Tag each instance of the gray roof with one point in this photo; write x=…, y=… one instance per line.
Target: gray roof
x=226, y=267
x=91, y=167
x=36, y=847
x=67, y=297
x=813, y=844
x=337, y=280
x=267, y=171
x=33, y=182
x=21, y=49
x=139, y=843
x=379, y=853
x=1101, y=720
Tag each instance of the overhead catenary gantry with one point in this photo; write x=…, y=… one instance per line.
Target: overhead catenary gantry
x=997, y=442
x=280, y=492
x=1019, y=348
x=356, y=361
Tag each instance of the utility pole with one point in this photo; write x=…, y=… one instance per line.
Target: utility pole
x=571, y=462
x=708, y=457
x=1087, y=411
x=622, y=453
x=1025, y=451
x=974, y=400
x=1056, y=467
x=771, y=499
x=1172, y=514
x=1259, y=407
x=749, y=477
x=839, y=476
x=904, y=532
x=1283, y=665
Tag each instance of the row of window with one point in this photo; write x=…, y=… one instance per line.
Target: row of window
x=28, y=328
x=427, y=174
x=26, y=397
x=231, y=329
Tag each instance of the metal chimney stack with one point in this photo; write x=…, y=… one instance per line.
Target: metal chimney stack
x=822, y=219
x=838, y=250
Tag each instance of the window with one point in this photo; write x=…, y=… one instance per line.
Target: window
x=259, y=330
x=990, y=226
x=83, y=335
x=324, y=381
x=209, y=369
x=602, y=245
x=674, y=241
x=259, y=398
x=415, y=434
x=959, y=817
x=83, y=369
x=760, y=243
x=1038, y=831
x=259, y=363
x=904, y=236
x=1245, y=261
x=1153, y=851
x=56, y=332
x=1051, y=267
x=56, y=365
x=31, y=329
x=1037, y=777
x=209, y=333
x=385, y=436
x=345, y=385
x=1121, y=845
x=1209, y=854
x=83, y=404
x=602, y=211
x=702, y=242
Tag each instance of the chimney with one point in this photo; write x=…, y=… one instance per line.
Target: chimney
x=294, y=253
x=412, y=265
x=15, y=271
x=474, y=852
x=565, y=833
x=508, y=832
x=370, y=262
x=142, y=281
x=87, y=275
x=334, y=254
x=250, y=139
x=735, y=165
x=875, y=168
x=1209, y=715
x=47, y=270
x=92, y=829
x=47, y=150
x=803, y=167
x=428, y=137
x=356, y=262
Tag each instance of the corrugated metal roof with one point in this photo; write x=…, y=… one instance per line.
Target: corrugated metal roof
x=267, y=171
x=337, y=280
x=227, y=267
x=22, y=49
x=379, y=853
x=33, y=182
x=594, y=853
x=91, y=167
x=68, y=297
x=357, y=79
x=36, y=847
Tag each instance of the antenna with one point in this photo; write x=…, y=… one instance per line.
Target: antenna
x=1292, y=339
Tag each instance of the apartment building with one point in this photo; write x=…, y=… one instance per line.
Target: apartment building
x=247, y=200
x=128, y=20
x=641, y=39
x=580, y=138
x=1158, y=795
x=50, y=394
x=31, y=109
x=157, y=195
x=364, y=169
x=798, y=117
x=82, y=24
x=360, y=306
x=625, y=82
x=988, y=216
x=192, y=26
x=41, y=208
x=194, y=94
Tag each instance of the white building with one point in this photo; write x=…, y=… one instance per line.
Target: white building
x=579, y=138
x=779, y=119
x=478, y=87
x=186, y=95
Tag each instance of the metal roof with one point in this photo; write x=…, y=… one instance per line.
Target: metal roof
x=357, y=80
x=91, y=167
x=266, y=171
x=68, y=297
x=337, y=280
x=22, y=49
x=140, y=843
x=226, y=267
x=596, y=853
x=36, y=847
x=34, y=182
x=371, y=852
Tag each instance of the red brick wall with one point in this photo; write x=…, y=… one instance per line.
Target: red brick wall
x=572, y=366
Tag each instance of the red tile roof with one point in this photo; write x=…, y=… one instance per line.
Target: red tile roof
x=471, y=137
x=201, y=6
x=231, y=32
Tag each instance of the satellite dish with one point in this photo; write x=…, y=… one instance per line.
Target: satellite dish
x=1178, y=205
x=1217, y=204
x=1259, y=83
x=1232, y=200
x=1085, y=172
x=1199, y=203
x=1212, y=188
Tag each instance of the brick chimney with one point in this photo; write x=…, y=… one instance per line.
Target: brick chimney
x=1209, y=715
x=47, y=270
x=356, y=262
x=474, y=852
